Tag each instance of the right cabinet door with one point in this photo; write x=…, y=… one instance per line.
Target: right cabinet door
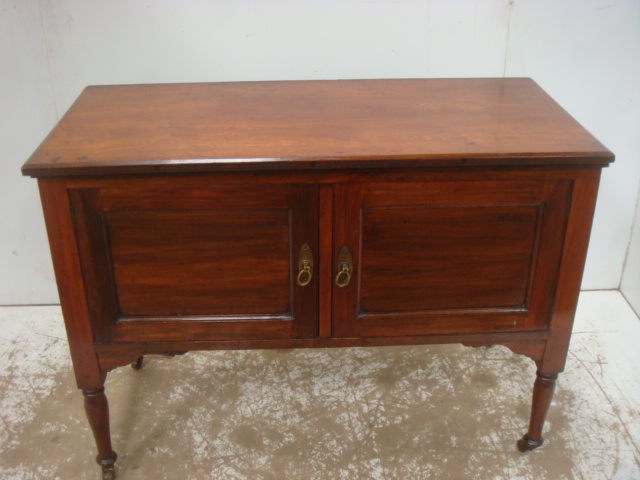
x=450, y=256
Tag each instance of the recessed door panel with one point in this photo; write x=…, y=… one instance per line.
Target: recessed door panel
x=223, y=260
x=212, y=262
x=448, y=257
x=434, y=258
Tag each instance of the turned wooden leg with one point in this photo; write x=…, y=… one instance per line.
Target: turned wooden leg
x=137, y=364
x=97, y=409
x=542, y=393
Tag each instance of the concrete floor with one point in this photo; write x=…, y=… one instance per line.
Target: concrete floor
x=438, y=412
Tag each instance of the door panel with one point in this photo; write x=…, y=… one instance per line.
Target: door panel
x=448, y=257
x=222, y=259
x=216, y=262
x=430, y=258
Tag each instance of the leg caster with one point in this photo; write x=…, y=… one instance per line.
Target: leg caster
x=525, y=443
x=97, y=410
x=108, y=467
x=137, y=364
x=542, y=393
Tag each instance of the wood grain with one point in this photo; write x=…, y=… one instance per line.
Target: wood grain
x=424, y=258
x=312, y=125
x=208, y=263
x=325, y=274
x=447, y=257
x=201, y=262
x=66, y=262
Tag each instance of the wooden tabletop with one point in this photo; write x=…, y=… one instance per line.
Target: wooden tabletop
x=313, y=125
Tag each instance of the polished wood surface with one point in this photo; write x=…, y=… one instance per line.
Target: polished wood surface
x=61, y=232
x=445, y=257
x=465, y=207
x=543, y=389
x=416, y=258
x=203, y=263
x=186, y=263
x=96, y=407
x=312, y=125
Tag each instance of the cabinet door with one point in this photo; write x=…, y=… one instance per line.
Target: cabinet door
x=204, y=262
x=448, y=256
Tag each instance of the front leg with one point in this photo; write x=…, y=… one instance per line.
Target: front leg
x=137, y=363
x=542, y=394
x=97, y=410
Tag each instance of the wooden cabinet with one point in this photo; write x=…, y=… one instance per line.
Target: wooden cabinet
x=316, y=214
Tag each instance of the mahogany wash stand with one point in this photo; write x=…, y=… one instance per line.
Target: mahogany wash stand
x=316, y=214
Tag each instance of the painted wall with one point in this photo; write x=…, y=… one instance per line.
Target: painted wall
x=584, y=53
x=630, y=284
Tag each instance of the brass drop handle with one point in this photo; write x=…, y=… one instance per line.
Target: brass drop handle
x=345, y=267
x=305, y=266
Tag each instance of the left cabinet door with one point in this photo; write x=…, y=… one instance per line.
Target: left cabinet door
x=181, y=261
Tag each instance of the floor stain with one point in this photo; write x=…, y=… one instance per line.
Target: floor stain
x=417, y=412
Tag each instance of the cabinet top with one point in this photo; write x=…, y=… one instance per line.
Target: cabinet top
x=311, y=125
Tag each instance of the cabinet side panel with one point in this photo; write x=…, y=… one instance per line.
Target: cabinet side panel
x=583, y=202
x=64, y=252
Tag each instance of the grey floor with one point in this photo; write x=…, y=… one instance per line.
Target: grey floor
x=437, y=412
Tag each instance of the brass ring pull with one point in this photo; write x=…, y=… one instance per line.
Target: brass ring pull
x=304, y=276
x=345, y=264
x=305, y=265
x=344, y=277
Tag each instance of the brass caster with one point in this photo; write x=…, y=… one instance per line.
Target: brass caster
x=137, y=363
x=525, y=444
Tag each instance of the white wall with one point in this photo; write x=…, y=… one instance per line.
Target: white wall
x=630, y=284
x=585, y=53
x=27, y=113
